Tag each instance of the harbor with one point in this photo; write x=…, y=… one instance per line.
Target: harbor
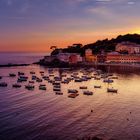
x=72, y=99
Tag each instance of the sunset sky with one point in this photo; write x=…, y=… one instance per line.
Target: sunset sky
x=35, y=25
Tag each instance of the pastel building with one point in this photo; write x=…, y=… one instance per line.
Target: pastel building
x=131, y=48
x=89, y=57
x=72, y=58
x=122, y=58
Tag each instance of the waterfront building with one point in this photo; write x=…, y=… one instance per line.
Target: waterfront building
x=64, y=57
x=101, y=58
x=75, y=58
x=129, y=47
x=89, y=57
x=122, y=58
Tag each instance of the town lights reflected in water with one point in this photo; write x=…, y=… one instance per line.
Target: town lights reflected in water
x=42, y=114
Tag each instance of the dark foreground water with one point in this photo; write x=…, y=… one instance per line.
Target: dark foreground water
x=42, y=115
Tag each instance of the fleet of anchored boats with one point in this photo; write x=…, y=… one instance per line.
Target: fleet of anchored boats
x=58, y=81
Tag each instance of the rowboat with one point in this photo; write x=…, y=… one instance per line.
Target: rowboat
x=3, y=84
x=112, y=90
x=29, y=87
x=97, y=86
x=12, y=75
x=88, y=93
x=73, y=95
x=16, y=86
x=72, y=91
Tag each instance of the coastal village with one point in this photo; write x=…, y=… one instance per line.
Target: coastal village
x=125, y=52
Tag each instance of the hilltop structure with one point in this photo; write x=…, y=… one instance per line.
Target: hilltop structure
x=128, y=47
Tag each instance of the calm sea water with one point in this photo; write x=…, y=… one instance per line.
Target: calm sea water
x=20, y=58
x=42, y=115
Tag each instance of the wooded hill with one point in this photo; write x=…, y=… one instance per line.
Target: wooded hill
x=106, y=45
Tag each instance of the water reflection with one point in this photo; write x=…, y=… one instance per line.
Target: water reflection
x=43, y=115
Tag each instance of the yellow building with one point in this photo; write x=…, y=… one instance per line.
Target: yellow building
x=89, y=57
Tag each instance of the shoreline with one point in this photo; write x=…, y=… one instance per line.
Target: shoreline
x=113, y=64
x=13, y=65
x=80, y=65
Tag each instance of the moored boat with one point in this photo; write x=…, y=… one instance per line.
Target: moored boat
x=22, y=79
x=73, y=95
x=97, y=86
x=72, y=91
x=78, y=80
x=108, y=81
x=83, y=87
x=12, y=75
x=20, y=73
x=112, y=90
x=16, y=85
x=41, y=72
x=59, y=93
x=31, y=82
x=88, y=93
x=3, y=84
x=113, y=77
x=42, y=87
x=34, y=77
x=56, y=89
x=38, y=80
x=97, y=78
x=57, y=86
x=29, y=87
x=32, y=72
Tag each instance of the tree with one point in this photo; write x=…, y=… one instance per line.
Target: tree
x=53, y=48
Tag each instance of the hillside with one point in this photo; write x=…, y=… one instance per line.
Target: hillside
x=105, y=45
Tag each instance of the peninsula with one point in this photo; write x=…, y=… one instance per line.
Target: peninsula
x=124, y=50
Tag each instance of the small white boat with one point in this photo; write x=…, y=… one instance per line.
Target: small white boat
x=3, y=84
x=88, y=93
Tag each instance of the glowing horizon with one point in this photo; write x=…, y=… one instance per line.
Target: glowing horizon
x=34, y=26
